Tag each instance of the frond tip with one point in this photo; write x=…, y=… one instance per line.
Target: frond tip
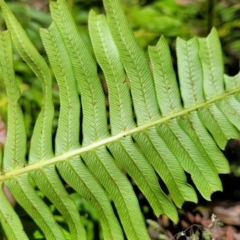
x=159, y=127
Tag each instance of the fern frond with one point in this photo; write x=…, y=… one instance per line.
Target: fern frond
x=125, y=152
x=176, y=130
x=15, y=148
x=145, y=106
x=41, y=142
x=169, y=101
x=68, y=133
x=99, y=162
x=135, y=63
x=10, y=222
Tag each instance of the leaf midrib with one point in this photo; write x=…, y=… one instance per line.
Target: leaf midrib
x=40, y=164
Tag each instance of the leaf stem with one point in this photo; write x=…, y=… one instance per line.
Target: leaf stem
x=41, y=164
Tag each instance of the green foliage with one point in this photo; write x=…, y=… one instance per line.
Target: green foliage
x=157, y=129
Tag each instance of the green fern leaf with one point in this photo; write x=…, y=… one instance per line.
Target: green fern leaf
x=93, y=102
x=191, y=78
x=231, y=83
x=10, y=222
x=68, y=133
x=15, y=147
x=177, y=129
x=202, y=171
x=135, y=63
x=146, y=109
x=126, y=153
x=213, y=85
x=41, y=142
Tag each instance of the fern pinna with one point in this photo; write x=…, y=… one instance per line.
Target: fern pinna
x=157, y=129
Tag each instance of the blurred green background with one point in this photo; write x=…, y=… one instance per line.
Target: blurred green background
x=149, y=19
